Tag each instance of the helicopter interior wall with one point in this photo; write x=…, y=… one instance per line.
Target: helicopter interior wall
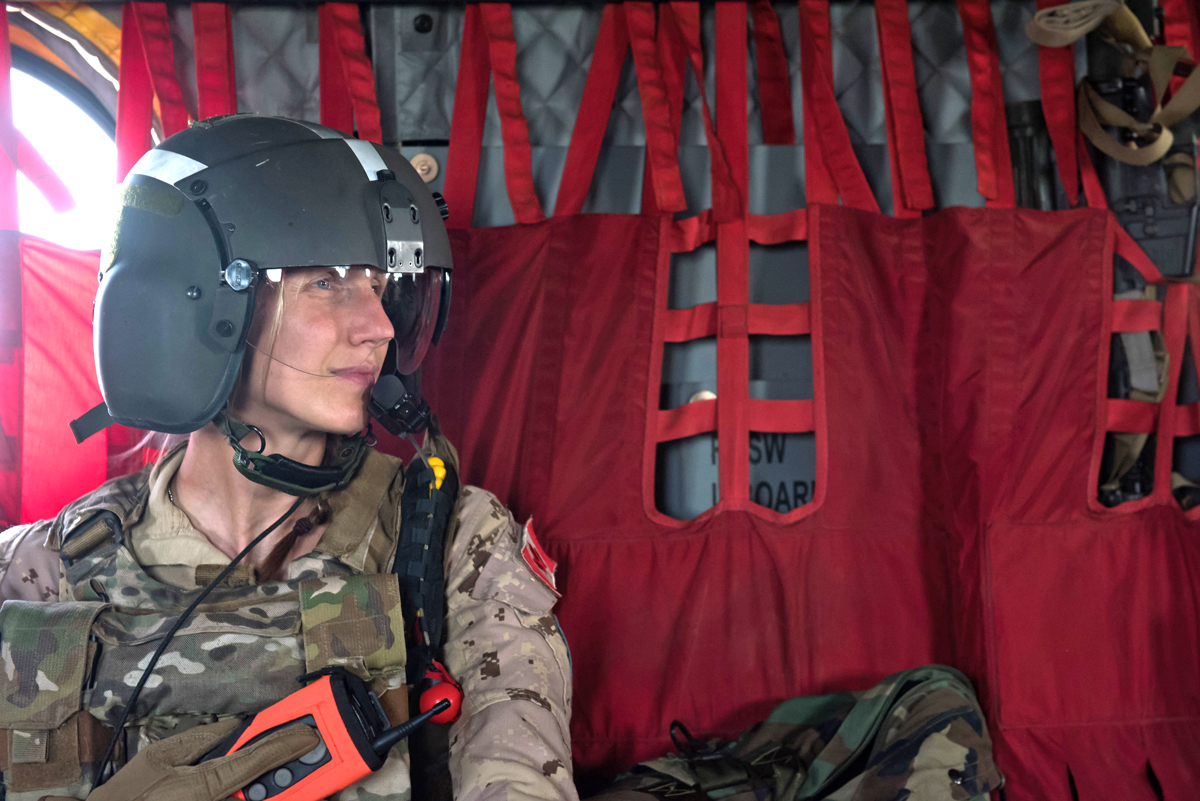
x=416, y=61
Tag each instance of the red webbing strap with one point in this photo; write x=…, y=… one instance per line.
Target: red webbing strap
x=1181, y=27
x=989, y=127
x=216, y=87
x=155, y=28
x=774, y=81
x=11, y=354
x=1093, y=192
x=466, y=124
x=518, y=160
x=830, y=166
x=1127, y=248
x=672, y=64
x=341, y=33
x=733, y=254
x=785, y=319
x=781, y=415
x=337, y=109
x=1174, y=335
x=1136, y=315
x=687, y=420
x=1187, y=418
x=1056, y=71
x=135, y=101
x=608, y=57
x=1135, y=417
x=727, y=200
x=775, y=229
x=39, y=173
x=733, y=244
x=662, y=143
x=912, y=191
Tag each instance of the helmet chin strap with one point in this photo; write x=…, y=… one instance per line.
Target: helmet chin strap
x=287, y=475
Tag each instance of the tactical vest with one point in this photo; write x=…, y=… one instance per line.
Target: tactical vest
x=69, y=667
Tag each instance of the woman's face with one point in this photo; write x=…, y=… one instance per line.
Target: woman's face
x=311, y=363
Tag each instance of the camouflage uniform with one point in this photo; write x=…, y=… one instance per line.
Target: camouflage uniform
x=919, y=734
x=76, y=637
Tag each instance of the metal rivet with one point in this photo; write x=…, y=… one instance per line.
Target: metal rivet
x=230, y=227
x=198, y=187
x=224, y=328
x=423, y=23
x=414, y=215
x=193, y=292
x=425, y=165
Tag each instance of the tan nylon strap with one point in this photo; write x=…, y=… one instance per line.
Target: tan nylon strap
x=1061, y=25
x=88, y=540
x=1105, y=143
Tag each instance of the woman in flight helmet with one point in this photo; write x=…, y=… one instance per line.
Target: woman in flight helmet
x=262, y=276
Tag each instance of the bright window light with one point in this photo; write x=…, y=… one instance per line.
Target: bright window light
x=82, y=155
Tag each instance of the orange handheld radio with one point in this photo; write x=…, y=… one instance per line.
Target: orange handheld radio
x=355, y=738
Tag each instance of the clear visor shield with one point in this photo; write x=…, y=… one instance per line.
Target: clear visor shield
x=330, y=321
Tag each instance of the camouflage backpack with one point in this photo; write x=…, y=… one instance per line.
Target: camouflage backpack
x=919, y=734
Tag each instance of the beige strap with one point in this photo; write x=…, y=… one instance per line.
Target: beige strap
x=1090, y=104
x=1061, y=25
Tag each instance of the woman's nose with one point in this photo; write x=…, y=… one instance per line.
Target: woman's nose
x=371, y=323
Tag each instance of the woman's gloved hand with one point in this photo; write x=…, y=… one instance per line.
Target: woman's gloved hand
x=163, y=771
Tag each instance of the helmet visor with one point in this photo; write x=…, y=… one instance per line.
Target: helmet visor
x=411, y=301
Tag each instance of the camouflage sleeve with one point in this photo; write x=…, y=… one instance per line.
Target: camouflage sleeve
x=28, y=570
x=503, y=644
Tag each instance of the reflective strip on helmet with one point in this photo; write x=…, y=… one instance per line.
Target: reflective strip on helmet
x=166, y=166
x=367, y=156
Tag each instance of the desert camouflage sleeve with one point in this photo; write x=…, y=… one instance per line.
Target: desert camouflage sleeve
x=503, y=644
x=28, y=571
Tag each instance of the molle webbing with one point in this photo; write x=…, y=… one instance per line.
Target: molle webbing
x=425, y=515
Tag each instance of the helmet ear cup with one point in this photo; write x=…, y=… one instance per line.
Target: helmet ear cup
x=155, y=312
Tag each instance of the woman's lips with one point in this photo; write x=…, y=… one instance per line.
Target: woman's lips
x=362, y=376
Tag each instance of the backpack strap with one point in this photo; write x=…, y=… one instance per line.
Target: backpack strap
x=426, y=506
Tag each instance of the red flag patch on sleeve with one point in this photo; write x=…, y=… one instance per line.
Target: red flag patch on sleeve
x=538, y=560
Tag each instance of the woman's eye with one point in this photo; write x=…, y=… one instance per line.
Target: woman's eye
x=322, y=283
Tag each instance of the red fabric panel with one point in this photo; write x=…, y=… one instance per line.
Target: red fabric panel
x=342, y=49
x=784, y=319
x=608, y=57
x=912, y=191
x=58, y=286
x=830, y=166
x=466, y=125
x=337, y=108
x=1056, y=69
x=687, y=420
x=39, y=173
x=135, y=101
x=216, y=85
x=1131, y=416
x=989, y=129
x=1181, y=26
x=1137, y=315
x=694, y=323
x=774, y=80
x=518, y=169
x=154, y=28
x=11, y=354
x=691, y=232
x=780, y=415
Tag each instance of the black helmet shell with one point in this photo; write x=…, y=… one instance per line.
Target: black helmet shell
x=169, y=330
